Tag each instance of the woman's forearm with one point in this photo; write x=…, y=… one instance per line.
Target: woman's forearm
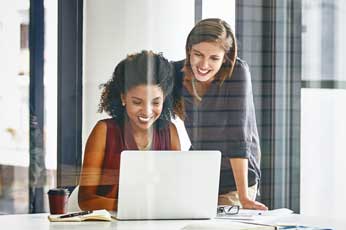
x=240, y=173
x=89, y=201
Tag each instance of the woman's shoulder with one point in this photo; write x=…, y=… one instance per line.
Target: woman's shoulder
x=171, y=125
x=107, y=125
x=241, y=71
x=179, y=63
x=175, y=142
x=171, y=128
x=241, y=64
x=178, y=68
x=108, y=122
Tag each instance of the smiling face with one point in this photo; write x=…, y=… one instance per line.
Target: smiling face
x=143, y=105
x=206, y=59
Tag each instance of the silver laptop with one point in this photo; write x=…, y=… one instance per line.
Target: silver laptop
x=168, y=185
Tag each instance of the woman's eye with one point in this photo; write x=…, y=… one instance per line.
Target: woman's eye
x=136, y=102
x=215, y=58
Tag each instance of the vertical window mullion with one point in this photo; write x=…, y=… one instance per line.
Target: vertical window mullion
x=37, y=168
x=70, y=56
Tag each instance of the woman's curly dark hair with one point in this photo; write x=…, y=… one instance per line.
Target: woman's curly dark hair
x=145, y=68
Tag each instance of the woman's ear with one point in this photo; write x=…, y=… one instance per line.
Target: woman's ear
x=122, y=96
x=226, y=57
x=188, y=52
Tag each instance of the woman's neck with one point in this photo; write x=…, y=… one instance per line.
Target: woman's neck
x=199, y=88
x=142, y=138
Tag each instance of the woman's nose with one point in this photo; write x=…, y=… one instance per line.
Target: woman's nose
x=148, y=108
x=204, y=63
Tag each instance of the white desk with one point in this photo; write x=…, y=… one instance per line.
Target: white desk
x=40, y=222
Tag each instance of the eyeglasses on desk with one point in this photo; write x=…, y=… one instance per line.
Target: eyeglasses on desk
x=228, y=210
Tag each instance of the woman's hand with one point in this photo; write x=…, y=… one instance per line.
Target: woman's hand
x=252, y=204
x=240, y=171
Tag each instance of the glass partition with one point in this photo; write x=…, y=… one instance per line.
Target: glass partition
x=295, y=52
x=18, y=155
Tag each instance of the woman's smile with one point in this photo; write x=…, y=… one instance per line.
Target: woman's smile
x=145, y=119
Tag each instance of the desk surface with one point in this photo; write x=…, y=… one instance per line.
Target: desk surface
x=40, y=222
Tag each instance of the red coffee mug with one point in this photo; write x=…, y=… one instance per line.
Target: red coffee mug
x=58, y=200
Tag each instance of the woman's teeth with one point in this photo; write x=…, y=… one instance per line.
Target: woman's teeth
x=202, y=71
x=144, y=119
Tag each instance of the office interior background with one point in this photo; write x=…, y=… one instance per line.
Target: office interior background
x=55, y=54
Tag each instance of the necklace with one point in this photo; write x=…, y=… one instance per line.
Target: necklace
x=195, y=90
x=150, y=141
x=148, y=146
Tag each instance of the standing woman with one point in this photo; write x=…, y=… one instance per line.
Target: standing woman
x=220, y=114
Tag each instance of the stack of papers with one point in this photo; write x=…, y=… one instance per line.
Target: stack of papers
x=257, y=215
x=255, y=219
x=226, y=225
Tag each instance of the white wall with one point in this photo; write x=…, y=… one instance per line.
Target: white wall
x=323, y=159
x=224, y=9
x=14, y=88
x=114, y=28
x=323, y=112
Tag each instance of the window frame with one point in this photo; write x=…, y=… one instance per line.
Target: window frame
x=70, y=92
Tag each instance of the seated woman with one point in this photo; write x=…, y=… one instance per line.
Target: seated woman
x=138, y=99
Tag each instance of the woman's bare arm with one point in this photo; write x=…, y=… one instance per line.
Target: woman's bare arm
x=175, y=142
x=90, y=177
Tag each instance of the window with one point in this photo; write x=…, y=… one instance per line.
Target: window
x=323, y=112
x=14, y=99
x=28, y=152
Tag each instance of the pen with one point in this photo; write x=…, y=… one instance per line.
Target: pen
x=76, y=214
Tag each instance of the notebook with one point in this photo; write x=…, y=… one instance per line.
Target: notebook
x=98, y=215
x=168, y=185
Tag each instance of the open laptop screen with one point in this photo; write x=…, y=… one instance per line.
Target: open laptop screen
x=168, y=184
